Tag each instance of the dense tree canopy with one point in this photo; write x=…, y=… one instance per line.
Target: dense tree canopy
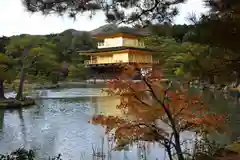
x=3, y=42
x=7, y=73
x=6, y=65
x=194, y=60
x=178, y=32
x=33, y=54
x=68, y=44
x=180, y=59
x=47, y=58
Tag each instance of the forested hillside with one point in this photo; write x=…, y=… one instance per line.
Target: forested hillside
x=56, y=57
x=48, y=58
x=63, y=47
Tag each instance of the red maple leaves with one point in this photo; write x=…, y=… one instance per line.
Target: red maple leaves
x=149, y=100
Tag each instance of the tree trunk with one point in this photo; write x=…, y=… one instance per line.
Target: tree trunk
x=237, y=89
x=176, y=135
x=2, y=90
x=168, y=150
x=19, y=95
x=172, y=122
x=178, y=147
x=211, y=80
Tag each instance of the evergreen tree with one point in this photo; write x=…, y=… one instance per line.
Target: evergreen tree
x=146, y=11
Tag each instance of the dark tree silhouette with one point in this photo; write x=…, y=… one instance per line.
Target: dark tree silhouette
x=144, y=11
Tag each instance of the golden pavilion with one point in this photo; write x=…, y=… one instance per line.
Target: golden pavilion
x=123, y=46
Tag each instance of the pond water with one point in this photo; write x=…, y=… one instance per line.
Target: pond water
x=59, y=124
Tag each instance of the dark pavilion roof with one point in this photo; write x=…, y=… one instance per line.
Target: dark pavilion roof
x=125, y=30
x=110, y=49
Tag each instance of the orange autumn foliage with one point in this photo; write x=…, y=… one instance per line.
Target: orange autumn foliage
x=148, y=100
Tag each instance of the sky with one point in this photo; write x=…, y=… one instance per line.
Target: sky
x=15, y=20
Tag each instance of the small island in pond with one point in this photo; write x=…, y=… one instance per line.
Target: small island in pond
x=12, y=103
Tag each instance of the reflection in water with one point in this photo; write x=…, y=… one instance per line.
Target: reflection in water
x=23, y=128
x=106, y=106
x=1, y=119
x=60, y=125
x=219, y=103
x=56, y=126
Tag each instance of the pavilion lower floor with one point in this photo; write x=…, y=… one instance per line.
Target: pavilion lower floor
x=113, y=71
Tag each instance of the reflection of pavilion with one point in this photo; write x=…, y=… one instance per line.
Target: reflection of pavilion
x=106, y=105
x=44, y=93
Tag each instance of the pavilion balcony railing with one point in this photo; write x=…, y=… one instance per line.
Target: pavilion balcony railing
x=87, y=62
x=136, y=44
x=145, y=61
x=111, y=61
x=140, y=44
x=101, y=44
